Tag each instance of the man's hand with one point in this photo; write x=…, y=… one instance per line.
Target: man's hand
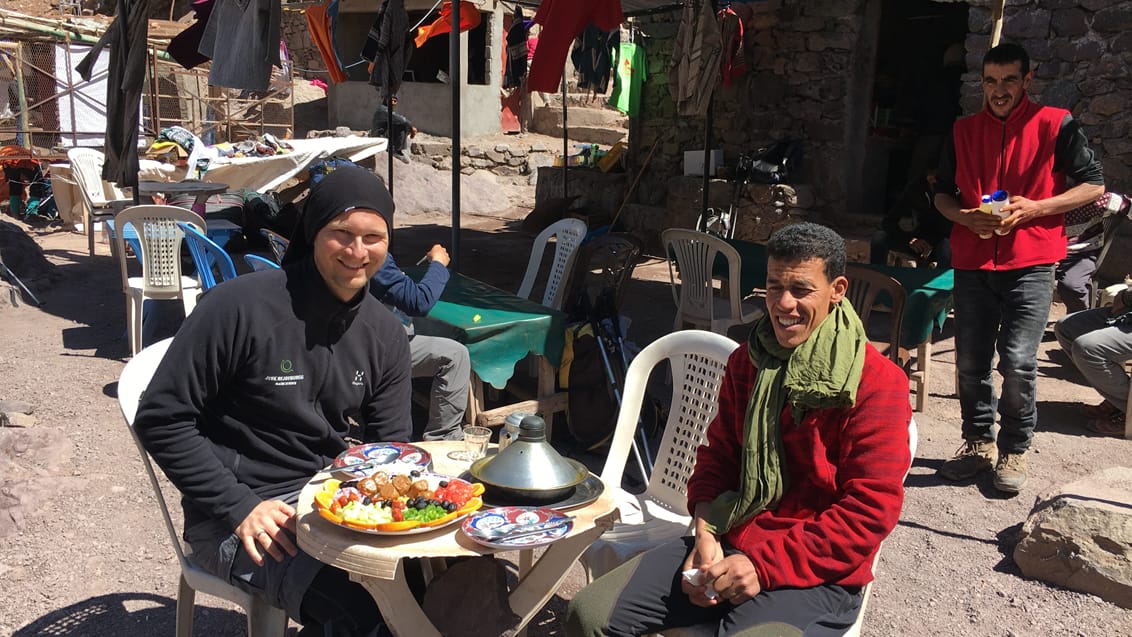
x=735, y=579
x=1020, y=210
x=920, y=247
x=265, y=527
x=439, y=254
x=412, y=131
x=706, y=552
x=979, y=222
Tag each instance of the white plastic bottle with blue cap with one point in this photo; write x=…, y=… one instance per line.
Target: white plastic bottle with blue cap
x=998, y=200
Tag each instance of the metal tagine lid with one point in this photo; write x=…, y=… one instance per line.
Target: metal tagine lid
x=530, y=463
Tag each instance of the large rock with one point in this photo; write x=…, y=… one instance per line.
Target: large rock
x=1080, y=537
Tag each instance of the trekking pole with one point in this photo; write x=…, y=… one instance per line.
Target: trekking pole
x=11, y=276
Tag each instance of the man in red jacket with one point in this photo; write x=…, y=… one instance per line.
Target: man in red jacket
x=800, y=480
x=1004, y=267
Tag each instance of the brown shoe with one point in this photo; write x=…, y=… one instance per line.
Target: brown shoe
x=973, y=458
x=1103, y=410
x=1112, y=425
x=1011, y=472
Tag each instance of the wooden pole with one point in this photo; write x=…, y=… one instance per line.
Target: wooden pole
x=996, y=24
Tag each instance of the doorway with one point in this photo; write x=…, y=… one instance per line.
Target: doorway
x=920, y=61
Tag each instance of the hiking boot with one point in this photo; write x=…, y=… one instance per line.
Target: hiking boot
x=973, y=458
x=1010, y=472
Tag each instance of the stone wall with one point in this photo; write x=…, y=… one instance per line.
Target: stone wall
x=799, y=59
x=305, y=57
x=1081, y=50
x=810, y=77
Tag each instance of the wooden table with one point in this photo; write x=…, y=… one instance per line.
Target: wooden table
x=377, y=561
x=499, y=329
x=202, y=190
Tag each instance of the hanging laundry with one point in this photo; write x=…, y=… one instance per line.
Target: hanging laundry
x=629, y=79
x=516, y=68
x=734, y=63
x=694, y=69
x=242, y=38
x=593, y=57
x=184, y=47
x=125, y=80
x=322, y=21
x=469, y=19
x=387, y=47
x=562, y=21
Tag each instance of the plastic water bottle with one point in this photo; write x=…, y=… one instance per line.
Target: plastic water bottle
x=998, y=200
x=987, y=206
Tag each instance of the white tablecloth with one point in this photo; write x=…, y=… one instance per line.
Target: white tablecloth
x=268, y=173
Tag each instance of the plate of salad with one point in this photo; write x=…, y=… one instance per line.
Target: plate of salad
x=393, y=503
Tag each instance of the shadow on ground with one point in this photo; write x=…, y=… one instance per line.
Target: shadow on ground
x=130, y=614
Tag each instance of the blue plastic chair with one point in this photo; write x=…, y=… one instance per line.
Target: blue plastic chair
x=258, y=263
x=208, y=255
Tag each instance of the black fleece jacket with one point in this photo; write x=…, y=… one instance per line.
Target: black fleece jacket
x=260, y=385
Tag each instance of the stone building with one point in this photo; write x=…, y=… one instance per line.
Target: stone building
x=844, y=76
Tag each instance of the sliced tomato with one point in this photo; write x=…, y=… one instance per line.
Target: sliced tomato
x=393, y=527
x=330, y=515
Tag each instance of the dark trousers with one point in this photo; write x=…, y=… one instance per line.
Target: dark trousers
x=1074, y=276
x=401, y=127
x=644, y=595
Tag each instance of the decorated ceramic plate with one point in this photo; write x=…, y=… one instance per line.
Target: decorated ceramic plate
x=517, y=527
x=362, y=460
x=391, y=503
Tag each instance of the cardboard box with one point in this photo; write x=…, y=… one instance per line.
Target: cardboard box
x=694, y=162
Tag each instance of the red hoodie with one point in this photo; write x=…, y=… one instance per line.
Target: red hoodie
x=844, y=478
x=1015, y=155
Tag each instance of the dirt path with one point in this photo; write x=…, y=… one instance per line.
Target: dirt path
x=83, y=551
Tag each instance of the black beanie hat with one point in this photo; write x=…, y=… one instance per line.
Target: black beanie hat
x=339, y=191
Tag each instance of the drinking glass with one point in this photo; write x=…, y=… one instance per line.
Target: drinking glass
x=475, y=444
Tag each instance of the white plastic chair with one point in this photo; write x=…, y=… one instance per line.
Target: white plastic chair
x=696, y=301
x=697, y=359
x=707, y=630
x=568, y=234
x=160, y=240
x=86, y=169
x=264, y=620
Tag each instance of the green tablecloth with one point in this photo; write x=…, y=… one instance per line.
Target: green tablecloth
x=506, y=330
x=928, y=291
x=928, y=301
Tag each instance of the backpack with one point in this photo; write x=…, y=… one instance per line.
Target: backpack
x=592, y=404
x=774, y=164
x=324, y=167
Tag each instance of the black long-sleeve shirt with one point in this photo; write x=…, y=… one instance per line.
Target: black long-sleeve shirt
x=260, y=386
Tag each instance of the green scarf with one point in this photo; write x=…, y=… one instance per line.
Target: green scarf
x=822, y=372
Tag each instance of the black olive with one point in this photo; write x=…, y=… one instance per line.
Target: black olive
x=366, y=500
x=414, y=473
x=450, y=506
x=443, y=483
x=422, y=503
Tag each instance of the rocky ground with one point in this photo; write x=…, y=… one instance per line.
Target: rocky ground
x=83, y=550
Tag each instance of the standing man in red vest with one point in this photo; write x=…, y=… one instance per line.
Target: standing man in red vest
x=1004, y=265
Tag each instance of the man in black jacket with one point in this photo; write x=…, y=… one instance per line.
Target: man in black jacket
x=259, y=390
